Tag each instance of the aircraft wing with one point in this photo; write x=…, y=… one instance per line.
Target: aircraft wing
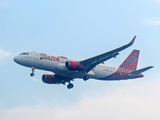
x=90, y=63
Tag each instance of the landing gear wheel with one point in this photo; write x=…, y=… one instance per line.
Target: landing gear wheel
x=85, y=78
x=70, y=85
x=32, y=74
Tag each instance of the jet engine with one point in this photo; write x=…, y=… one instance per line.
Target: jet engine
x=50, y=79
x=71, y=65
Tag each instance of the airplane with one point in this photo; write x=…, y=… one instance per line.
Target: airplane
x=66, y=69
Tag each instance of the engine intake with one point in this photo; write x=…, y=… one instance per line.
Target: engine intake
x=71, y=65
x=50, y=79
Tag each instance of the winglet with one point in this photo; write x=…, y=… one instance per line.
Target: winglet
x=132, y=41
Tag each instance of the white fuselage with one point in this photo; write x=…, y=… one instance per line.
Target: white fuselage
x=56, y=64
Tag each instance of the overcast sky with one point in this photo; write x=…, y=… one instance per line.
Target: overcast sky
x=79, y=29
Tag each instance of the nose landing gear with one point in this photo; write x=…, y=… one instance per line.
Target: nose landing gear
x=32, y=74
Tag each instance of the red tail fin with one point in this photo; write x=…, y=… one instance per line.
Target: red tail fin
x=131, y=62
x=129, y=65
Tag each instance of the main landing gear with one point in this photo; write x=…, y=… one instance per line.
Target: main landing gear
x=70, y=85
x=86, y=77
x=32, y=74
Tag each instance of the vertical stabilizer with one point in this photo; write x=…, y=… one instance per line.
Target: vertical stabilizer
x=127, y=67
x=130, y=64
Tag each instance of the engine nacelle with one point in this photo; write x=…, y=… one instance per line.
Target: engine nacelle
x=71, y=65
x=50, y=79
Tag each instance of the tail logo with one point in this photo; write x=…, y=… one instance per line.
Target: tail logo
x=134, y=67
x=137, y=52
x=133, y=57
x=129, y=61
x=130, y=64
x=120, y=73
x=125, y=66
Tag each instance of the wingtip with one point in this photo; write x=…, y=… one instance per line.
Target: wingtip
x=151, y=67
x=132, y=41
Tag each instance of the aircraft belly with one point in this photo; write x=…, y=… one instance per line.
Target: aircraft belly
x=102, y=72
x=72, y=74
x=44, y=65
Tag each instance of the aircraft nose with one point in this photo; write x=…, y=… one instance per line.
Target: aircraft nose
x=16, y=59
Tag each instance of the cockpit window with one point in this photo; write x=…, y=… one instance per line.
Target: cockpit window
x=24, y=54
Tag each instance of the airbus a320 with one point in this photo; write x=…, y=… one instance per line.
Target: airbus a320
x=66, y=69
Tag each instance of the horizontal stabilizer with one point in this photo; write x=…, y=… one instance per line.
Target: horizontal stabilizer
x=140, y=70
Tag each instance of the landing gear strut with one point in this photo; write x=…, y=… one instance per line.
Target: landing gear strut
x=32, y=74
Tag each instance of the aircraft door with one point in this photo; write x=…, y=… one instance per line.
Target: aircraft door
x=37, y=60
x=36, y=56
